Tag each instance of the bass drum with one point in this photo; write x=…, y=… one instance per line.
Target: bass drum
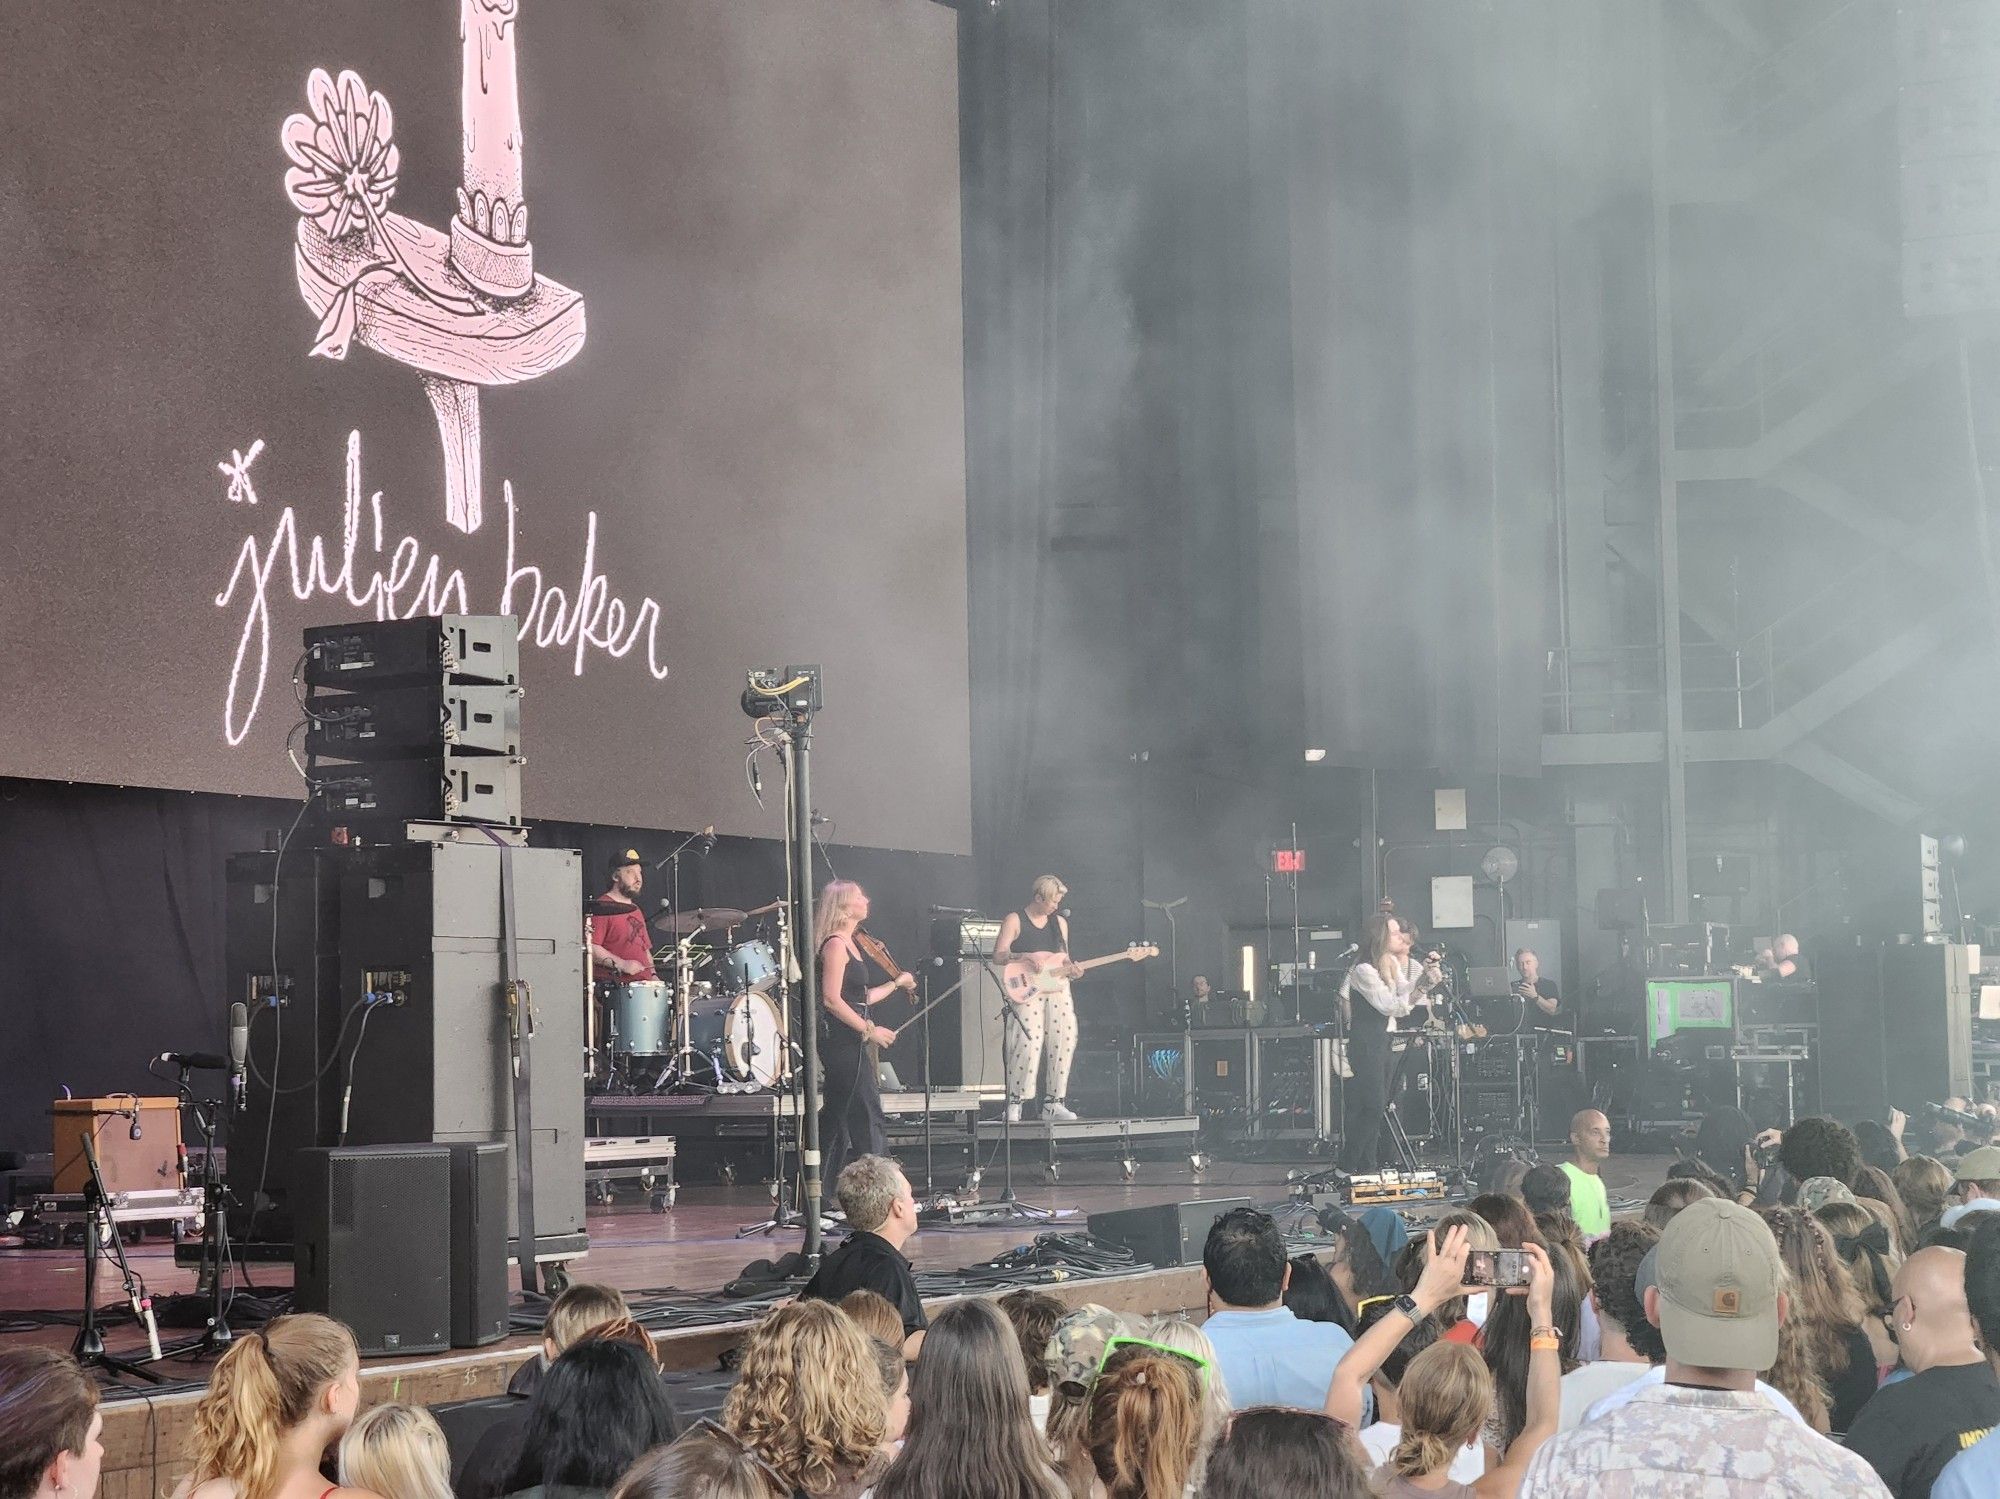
x=741, y=1032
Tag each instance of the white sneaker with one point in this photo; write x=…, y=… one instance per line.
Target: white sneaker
x=1013, y=1113
x=1055, y=1113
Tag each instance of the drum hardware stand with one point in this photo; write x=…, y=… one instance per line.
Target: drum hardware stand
x=684, y=1065
x=98, y=1220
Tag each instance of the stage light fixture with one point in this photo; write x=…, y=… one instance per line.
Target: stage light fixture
x=1249, y=974
x=1315, y=755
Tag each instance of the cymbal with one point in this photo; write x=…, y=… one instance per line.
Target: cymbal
x=686, y=923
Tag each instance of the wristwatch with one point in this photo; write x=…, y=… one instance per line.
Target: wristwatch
x=1407, y=1305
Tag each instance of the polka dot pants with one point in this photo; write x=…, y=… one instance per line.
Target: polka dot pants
x=1044, y=1027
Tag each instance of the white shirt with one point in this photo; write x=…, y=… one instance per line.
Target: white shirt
x=1381, y=1438
x=1393, y=1000
x=1584, y=1386
x=1656, y=1375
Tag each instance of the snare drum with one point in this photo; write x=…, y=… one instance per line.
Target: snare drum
x=753, y=967
x=741, y=1032
x=641, y=1018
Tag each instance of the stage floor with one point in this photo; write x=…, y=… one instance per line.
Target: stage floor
x=691, y=1248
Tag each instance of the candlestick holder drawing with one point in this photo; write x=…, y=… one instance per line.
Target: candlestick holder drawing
x=463, y=308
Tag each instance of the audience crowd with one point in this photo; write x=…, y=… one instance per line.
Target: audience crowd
x=1815, y=1312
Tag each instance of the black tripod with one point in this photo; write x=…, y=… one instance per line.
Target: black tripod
x=98, y=1219
x=216, y=1258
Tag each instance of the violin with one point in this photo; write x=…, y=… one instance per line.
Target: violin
x=877, y=952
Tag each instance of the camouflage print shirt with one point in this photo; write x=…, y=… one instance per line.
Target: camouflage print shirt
x=1674, y=1442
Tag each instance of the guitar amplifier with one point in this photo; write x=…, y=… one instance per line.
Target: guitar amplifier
x=137, y=1142
x=963, y=936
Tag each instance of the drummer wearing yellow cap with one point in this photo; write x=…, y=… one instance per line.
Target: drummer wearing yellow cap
x=620, y=946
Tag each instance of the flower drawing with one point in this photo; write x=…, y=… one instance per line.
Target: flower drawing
x=344, y=157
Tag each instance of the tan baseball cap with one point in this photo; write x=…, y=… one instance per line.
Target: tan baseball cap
x=1981, y=1165
x=1720, y=1276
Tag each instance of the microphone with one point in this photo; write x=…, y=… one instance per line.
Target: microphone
x=1064, y=913
x=198, y=1060
x=708, y=839
x=1347, y=952
x=239, y=1050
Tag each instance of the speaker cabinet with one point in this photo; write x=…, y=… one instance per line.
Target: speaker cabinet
x=373, y=1243
x=1168, y=1233
x=480, y=1181
x=1895, y=1027
x=967, y=1038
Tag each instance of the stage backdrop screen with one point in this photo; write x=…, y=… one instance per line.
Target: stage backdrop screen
x=636, y=319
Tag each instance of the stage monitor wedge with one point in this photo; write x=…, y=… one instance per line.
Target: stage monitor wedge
x=1168, y=1233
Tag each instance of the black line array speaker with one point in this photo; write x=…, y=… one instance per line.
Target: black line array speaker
x=481, y=1178
x=1168, y=1233
x=1895, y=1027
x=372, y=1243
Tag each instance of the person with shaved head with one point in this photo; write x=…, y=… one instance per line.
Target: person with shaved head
x=1590, y=1148
x=1911, y=1429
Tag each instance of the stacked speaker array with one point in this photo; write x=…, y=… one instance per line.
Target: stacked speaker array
x=415, y=720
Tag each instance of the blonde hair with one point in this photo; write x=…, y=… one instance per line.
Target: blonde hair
x=1445, y=1394
x=1046, y=887
x=834, y=899
x=1926, y=1184
x=582, y=1305
x=397, y=1451
x=809, y=1399
x=1181, y=1334
x=265, y=1387
x=1144, y=1425
x=875, y=1315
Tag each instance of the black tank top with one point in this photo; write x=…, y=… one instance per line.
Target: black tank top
x=853, y=978
x=1047, y=938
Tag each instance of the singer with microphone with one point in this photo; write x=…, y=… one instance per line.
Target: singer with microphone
x=621, y=947
x=1042, y=1027
x=1388, y=986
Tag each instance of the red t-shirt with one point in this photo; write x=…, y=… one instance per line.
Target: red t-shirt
x=619, y=927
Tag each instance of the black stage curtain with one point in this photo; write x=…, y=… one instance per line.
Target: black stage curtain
x=111, y=923
x=1008, y=170
x=1419, y=175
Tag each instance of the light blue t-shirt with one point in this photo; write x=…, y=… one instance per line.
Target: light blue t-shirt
x=1973, y=1474
x=1273, y=1358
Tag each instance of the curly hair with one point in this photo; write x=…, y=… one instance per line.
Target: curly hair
x=1925, y=1184
x=1796, y=1375
x=808, y=1398
x=1817, y=1146
x=1614, y=1269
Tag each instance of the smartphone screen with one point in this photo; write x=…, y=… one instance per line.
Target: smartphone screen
x=1496, y=1267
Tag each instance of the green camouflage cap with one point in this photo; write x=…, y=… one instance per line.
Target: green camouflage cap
x=1817, y=1191
x=1077, y=1345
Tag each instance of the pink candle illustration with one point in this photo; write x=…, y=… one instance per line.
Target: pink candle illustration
x=463, y=309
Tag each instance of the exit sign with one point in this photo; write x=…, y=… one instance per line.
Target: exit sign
x=1288, y=861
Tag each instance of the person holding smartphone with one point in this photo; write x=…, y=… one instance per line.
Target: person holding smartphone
x=1446, y=1394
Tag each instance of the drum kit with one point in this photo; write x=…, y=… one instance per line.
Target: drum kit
x=720, y=1024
